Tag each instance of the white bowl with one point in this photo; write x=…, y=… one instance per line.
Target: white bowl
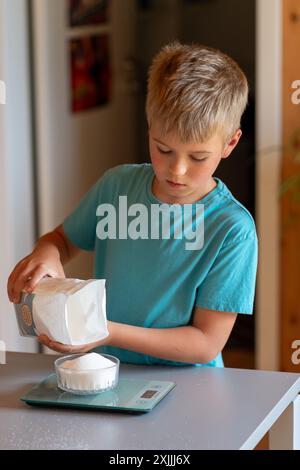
x=87, y=382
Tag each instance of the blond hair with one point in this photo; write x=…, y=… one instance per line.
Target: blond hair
x=195, y=91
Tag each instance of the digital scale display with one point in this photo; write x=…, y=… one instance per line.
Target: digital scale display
x=149, y=393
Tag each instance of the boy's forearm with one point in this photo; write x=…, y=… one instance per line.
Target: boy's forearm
x=53, y=244
x=182, y=344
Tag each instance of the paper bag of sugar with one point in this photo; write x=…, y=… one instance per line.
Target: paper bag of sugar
x=70, y=311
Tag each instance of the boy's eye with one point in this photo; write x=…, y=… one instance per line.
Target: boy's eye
x=163, y=151
x=198, y=159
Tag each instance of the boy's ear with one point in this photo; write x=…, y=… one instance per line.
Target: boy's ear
x=232, y=143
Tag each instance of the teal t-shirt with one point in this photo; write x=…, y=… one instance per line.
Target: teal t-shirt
x=155, y=281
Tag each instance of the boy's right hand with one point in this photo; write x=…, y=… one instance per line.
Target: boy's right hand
x=29, y=271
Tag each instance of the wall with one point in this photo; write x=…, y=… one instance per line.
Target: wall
x=74, y=150
x=268, y=161
x=16, y=181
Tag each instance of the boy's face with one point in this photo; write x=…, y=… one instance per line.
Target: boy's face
x=183, y=172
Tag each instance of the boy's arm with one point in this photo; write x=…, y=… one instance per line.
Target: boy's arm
x=60, y=242
x=197, y=343
x=50, y=253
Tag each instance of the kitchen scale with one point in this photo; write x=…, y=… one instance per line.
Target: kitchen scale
x=132, y=395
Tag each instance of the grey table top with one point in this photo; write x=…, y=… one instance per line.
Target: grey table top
x=208, y=409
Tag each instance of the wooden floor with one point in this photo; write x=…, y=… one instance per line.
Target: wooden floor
x=243, y=359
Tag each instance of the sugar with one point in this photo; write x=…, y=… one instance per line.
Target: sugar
x=88, y=372
x=88, y=361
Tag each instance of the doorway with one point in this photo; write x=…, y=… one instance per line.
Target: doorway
x=228, y=25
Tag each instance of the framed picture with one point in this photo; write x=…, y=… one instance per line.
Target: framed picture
x=90, y=72
x=87, y=12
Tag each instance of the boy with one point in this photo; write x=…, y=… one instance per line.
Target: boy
x=169, y=301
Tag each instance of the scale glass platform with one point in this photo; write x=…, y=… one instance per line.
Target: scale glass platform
x=131, y=395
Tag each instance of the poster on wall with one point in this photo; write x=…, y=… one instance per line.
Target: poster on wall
x=90, y=72
x=87, y=12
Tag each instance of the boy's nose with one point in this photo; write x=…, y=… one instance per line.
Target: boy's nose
x=178, y=168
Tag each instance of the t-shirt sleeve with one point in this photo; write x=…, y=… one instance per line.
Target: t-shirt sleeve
x=80, y=225
x=230, y=283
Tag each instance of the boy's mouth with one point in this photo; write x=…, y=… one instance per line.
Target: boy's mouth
x=175, y=185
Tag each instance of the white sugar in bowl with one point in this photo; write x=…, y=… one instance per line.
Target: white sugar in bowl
x=86, y=374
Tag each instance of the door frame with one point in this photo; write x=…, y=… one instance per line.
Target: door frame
x=268, y=166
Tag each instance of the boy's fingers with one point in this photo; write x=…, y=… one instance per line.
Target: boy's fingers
x=62, y=273
x=58, y=347
x=63, y=348
x=26, y=274
x=26, y=281
x=36, y=276
x=19, y=286
x=20, y=272
x=11, y=282
x=16, y=285
x=44, y=339
x=46, y=342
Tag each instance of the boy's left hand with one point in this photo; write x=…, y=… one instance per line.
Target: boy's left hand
x=68, y=348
